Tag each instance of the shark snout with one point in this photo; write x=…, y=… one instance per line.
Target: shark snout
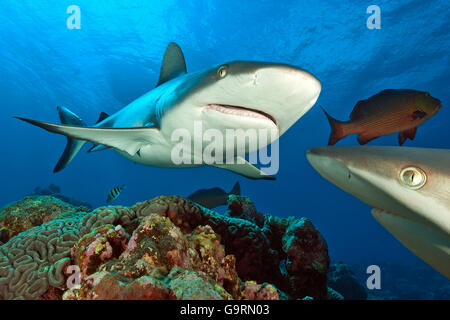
x=323, y=160
x=285, y=92
x=293, y=79
x=313, y=84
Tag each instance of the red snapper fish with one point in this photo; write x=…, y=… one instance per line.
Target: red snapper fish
x=387, y=112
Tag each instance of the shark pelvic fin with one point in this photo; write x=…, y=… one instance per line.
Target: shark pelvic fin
x=73, y=146
x=129, y=140
x=102, y=116
x=98, y=147
x=244, y=168
x=173, y=64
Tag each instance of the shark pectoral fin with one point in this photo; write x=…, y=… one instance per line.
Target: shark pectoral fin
x=173, y=63
x=244, y=168
x=129, y=140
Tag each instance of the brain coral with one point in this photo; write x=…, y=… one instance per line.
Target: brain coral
x=34, y=260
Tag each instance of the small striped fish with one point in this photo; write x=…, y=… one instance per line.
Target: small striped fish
x=114, y=193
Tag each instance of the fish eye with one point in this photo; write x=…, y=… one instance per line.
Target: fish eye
x=222, y=71
x=413, y=177
x=427, y=94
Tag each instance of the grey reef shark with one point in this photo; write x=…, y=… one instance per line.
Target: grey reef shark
x=408, y=188
x=234, y=95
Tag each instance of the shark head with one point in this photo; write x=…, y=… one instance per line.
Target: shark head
x=242, y=95
x=408, y=188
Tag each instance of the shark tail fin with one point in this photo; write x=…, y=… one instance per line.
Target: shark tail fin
x=337, y=129
x=73, y=146
x=236, y=189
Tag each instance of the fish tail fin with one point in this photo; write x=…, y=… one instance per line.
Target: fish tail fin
x=337, y=129
x=236, y=189
x=73, y=146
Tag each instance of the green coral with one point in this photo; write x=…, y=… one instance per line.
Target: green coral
x=31, y=212
x=33, y=261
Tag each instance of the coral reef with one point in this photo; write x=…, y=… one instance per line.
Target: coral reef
x=265, y=291
x=31, y=212
x=166, y=248
x=34, y=261
x=290, y=252
x=342, y=279
x=55, y=191
x=160, y=257
x=100, y=245
x=334, y=295
x=243, y=208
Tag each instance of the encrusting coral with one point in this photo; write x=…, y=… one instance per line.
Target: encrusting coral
x=166, y=248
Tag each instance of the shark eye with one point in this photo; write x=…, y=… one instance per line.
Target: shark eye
x=413, y=178
x=222, y=71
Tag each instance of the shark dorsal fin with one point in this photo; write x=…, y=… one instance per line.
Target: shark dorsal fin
x=173, y=63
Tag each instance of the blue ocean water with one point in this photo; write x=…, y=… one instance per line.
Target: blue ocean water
x=115, y=57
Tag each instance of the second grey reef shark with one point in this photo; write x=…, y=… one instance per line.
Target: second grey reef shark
x=408, y=188
x=234, y=95
x=214, y=197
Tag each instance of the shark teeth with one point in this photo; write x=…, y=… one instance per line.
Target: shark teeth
x=240, y=111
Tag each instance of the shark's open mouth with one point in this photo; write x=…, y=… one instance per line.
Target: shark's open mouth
x=241, y=111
